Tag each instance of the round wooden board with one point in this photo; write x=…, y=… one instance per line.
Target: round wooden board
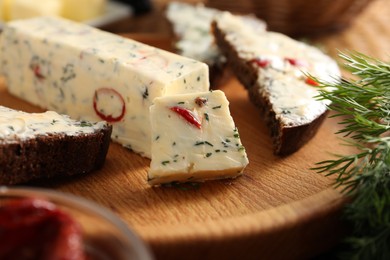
x=278, y=209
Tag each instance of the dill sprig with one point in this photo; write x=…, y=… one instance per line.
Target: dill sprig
x=362, y=103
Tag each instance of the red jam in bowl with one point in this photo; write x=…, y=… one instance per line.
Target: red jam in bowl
x=37, y=229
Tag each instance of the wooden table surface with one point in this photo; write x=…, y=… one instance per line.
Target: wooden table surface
x=279, y=209
x=368, y=33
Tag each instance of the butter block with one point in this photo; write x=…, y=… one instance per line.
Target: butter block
x=21, y=9
x=82, y=10
x=5, y=9
x=194, y=138
x=89, y=74
x=71, y=9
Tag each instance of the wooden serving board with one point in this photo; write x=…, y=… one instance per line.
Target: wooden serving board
x=279, y=209
x=278, y=204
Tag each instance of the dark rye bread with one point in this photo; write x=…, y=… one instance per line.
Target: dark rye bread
x=245, y=73
x=52, y=155
x=286, y=138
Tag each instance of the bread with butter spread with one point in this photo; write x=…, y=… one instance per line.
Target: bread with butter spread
x=274, y=69
x=191, y=26
x=45, y=145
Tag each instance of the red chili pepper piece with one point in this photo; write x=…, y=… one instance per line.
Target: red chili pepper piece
x=109, y=92
x=188, y=115
x=311, y=81
x=261, y=63
x=296, y=62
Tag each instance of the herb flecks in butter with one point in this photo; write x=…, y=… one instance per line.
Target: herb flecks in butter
x=203, y=143
x=88, y=73
x=30, y=125
x=199, y=153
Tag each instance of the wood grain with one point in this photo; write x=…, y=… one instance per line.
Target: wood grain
x=280, y=209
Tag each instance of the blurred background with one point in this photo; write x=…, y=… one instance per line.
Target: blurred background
x=363, y=24
x=292, y=17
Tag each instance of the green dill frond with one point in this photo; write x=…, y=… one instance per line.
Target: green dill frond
x=363, y=106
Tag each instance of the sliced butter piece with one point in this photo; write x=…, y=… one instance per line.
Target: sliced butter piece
x=93, y=75
x=194, y=138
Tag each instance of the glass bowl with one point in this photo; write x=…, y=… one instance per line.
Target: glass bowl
x=105, y=236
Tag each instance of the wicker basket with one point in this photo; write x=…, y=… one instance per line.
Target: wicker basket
x=297, y=17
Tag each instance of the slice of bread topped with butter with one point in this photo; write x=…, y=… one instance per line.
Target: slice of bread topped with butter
x=194, y=139
x=274, y=68
x=191, y=28
x=191, y=25
x=46, y=145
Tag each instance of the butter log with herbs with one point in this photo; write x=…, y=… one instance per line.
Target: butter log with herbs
x=86, y=73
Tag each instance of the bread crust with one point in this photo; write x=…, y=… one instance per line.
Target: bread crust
x=48, y=156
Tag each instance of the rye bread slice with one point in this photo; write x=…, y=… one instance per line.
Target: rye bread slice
x=257, y=76
x=25, y=156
